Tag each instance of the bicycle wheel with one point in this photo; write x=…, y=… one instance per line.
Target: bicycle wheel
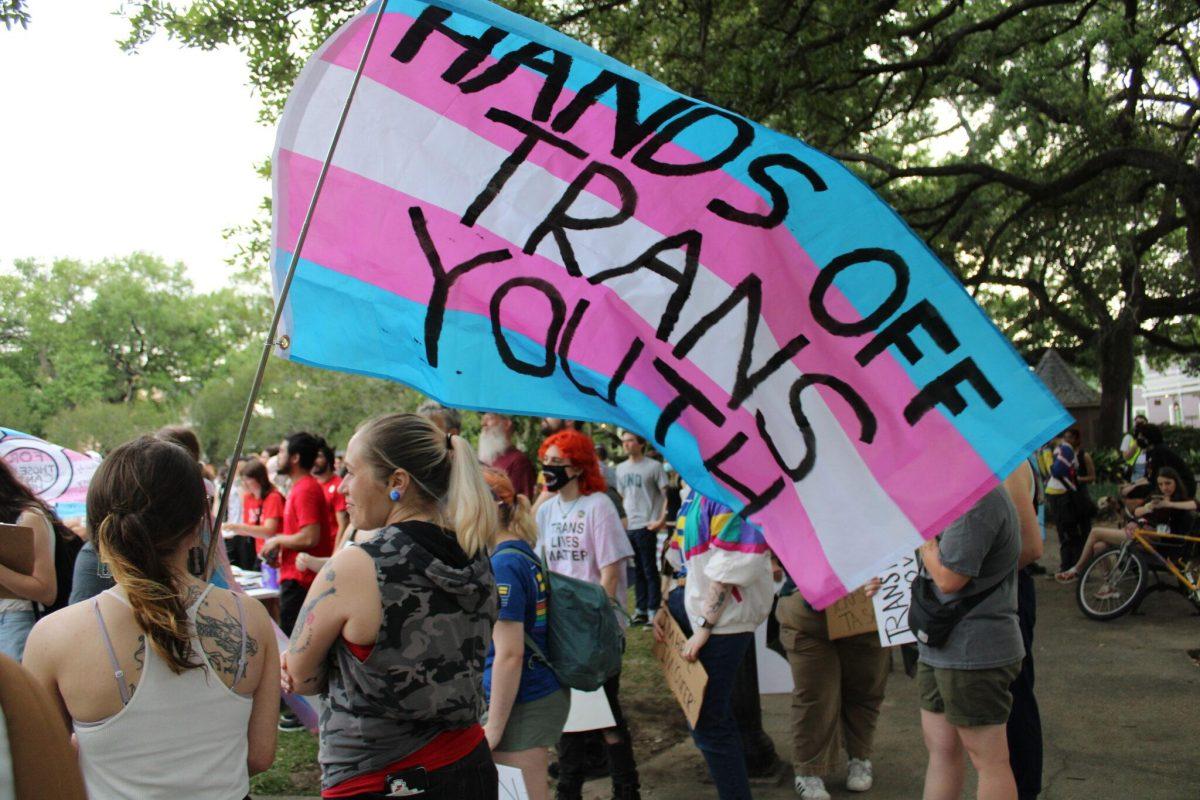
x=1112, y=584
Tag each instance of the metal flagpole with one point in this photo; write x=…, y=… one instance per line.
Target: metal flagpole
x=291, y=272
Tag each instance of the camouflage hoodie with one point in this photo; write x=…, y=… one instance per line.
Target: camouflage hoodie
x=425, y=673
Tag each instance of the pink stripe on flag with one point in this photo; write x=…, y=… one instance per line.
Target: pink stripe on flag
x=786, y=269
x=383, y=251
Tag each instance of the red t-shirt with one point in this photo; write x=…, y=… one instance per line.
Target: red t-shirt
x=306, y=505
x=256, y=511
x=337, y=500
x=519, y=470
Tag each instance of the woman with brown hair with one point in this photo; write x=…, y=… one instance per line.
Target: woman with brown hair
x=171, y=684
x=395, y=630
x=20, y=506
x=262, y=505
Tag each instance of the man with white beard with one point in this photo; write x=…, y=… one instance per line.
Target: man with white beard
x=496, y=450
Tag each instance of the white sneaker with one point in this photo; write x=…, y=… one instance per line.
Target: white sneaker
x=810, y=787
x=859, y=777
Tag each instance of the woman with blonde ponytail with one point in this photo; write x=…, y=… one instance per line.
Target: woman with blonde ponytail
x=527, y=706
x=171, y=684
x=395, y=631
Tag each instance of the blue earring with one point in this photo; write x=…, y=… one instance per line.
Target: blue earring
x=395, y=495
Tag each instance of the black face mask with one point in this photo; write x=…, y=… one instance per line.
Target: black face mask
x=556, y=476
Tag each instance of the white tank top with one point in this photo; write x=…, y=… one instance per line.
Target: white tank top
x=183, y=735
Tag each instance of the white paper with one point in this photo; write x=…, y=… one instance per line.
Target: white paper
x=892, y=602
x=589, y=712
x=512, y=783
x=774, y=673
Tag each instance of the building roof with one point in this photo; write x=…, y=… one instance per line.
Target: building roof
x=1071, y=390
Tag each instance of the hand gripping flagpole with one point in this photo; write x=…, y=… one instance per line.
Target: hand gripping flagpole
x=291, y=273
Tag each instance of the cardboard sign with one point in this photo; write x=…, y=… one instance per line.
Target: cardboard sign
x=16, y=553
x=512, y=783
x=686, y=679
x=850, y=616
x=892, y=602
x=590, y=711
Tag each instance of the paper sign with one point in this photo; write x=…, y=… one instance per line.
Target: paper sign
x=686, y=679
x=774, y=672
x=850, y=616
x=589, y=712
x=892, y=602
x=512, y=783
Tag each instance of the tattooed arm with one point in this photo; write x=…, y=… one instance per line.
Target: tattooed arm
x=333, y=598
x=711, y=608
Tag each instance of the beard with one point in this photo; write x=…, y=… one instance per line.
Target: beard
x=492, y=445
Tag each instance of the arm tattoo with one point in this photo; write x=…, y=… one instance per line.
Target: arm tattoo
x=302, y=635
x=714, y=601
x=221, y=638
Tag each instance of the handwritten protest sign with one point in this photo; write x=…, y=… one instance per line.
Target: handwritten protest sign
x=57, y=475
x=892, y=600
x=590, y=711
x=515, y=222
x=686, y=679
x=850, y=616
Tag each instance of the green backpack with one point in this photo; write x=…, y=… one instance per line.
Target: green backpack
x=584, y=639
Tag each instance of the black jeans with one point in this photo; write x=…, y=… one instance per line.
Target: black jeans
x=646, y=591
x=1024, y=721
x=573, y=754
x=472, y=777
x=291, y=600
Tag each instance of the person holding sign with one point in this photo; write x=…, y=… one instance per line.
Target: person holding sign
x=582, y=537
x=20, y=506
x=527, y=707
x=728, y=595
x=839, y=689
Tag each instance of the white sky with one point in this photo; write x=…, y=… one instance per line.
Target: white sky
x=103, y=153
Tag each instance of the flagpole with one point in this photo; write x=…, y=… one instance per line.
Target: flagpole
x=291, y=273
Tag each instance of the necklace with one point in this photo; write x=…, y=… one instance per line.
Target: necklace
x=569, y=508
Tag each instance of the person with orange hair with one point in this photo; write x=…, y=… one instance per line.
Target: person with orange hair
x=581, y=535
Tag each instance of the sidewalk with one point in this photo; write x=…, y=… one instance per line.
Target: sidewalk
x=1119, y=703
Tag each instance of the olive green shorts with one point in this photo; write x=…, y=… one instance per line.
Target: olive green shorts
x=968, y=697
x=538, y=723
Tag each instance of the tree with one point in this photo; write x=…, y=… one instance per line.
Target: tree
x=1046, y=149
x=14, y=12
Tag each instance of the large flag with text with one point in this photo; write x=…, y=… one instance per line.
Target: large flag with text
x=516, y=222
x=59, y=476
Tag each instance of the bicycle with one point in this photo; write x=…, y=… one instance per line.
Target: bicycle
x=1116, y=582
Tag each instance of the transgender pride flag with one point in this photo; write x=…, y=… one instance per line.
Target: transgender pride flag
x=516, y=222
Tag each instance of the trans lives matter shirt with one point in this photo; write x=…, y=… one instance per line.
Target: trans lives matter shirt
x=582, y=537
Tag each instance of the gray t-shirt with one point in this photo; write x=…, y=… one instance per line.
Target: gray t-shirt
x=643, y=491
x=985, y=544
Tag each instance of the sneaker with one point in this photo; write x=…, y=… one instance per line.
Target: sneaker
x=640, y=618
x=289, y=723
x=810, y=787
x=859, y=777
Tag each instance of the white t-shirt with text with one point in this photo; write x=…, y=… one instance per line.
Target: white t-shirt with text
x=581, y=537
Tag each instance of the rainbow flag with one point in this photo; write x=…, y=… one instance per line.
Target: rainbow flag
x=516, y=222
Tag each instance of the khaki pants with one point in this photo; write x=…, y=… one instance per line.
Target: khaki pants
x=840, y=686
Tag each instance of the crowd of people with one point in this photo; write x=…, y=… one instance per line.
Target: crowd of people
x=414, y=588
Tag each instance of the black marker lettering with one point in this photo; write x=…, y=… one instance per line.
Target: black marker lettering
x=828, y=275
x=435, y=314
x=944, y=389
x=533, y=135
x=755, y=501
x=564, y=358
x=630, y=131
x=779, y=197
x=746, y=381
x=689, y=242
x=686, y=396
x=742, y=138
x=558, y=311
x=475, y=48
x=557, y=70
x=922, y=315
x=558, y=221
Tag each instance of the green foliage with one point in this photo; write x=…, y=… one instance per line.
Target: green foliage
x=1185, y=441
x=295, y=771
x=14, y=12
x=101, y=426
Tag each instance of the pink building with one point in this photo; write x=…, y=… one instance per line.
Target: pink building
x=1170, y=397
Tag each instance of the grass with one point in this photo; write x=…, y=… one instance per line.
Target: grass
x=655, y=721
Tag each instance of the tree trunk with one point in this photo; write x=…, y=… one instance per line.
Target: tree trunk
x=1114, y=350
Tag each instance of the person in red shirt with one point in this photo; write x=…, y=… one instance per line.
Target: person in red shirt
x=497, y=450
x=306, y=525
x=330, y=481
x=262, y=505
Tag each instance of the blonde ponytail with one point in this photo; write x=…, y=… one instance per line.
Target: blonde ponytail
x=468, y=500
x=522, y=523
